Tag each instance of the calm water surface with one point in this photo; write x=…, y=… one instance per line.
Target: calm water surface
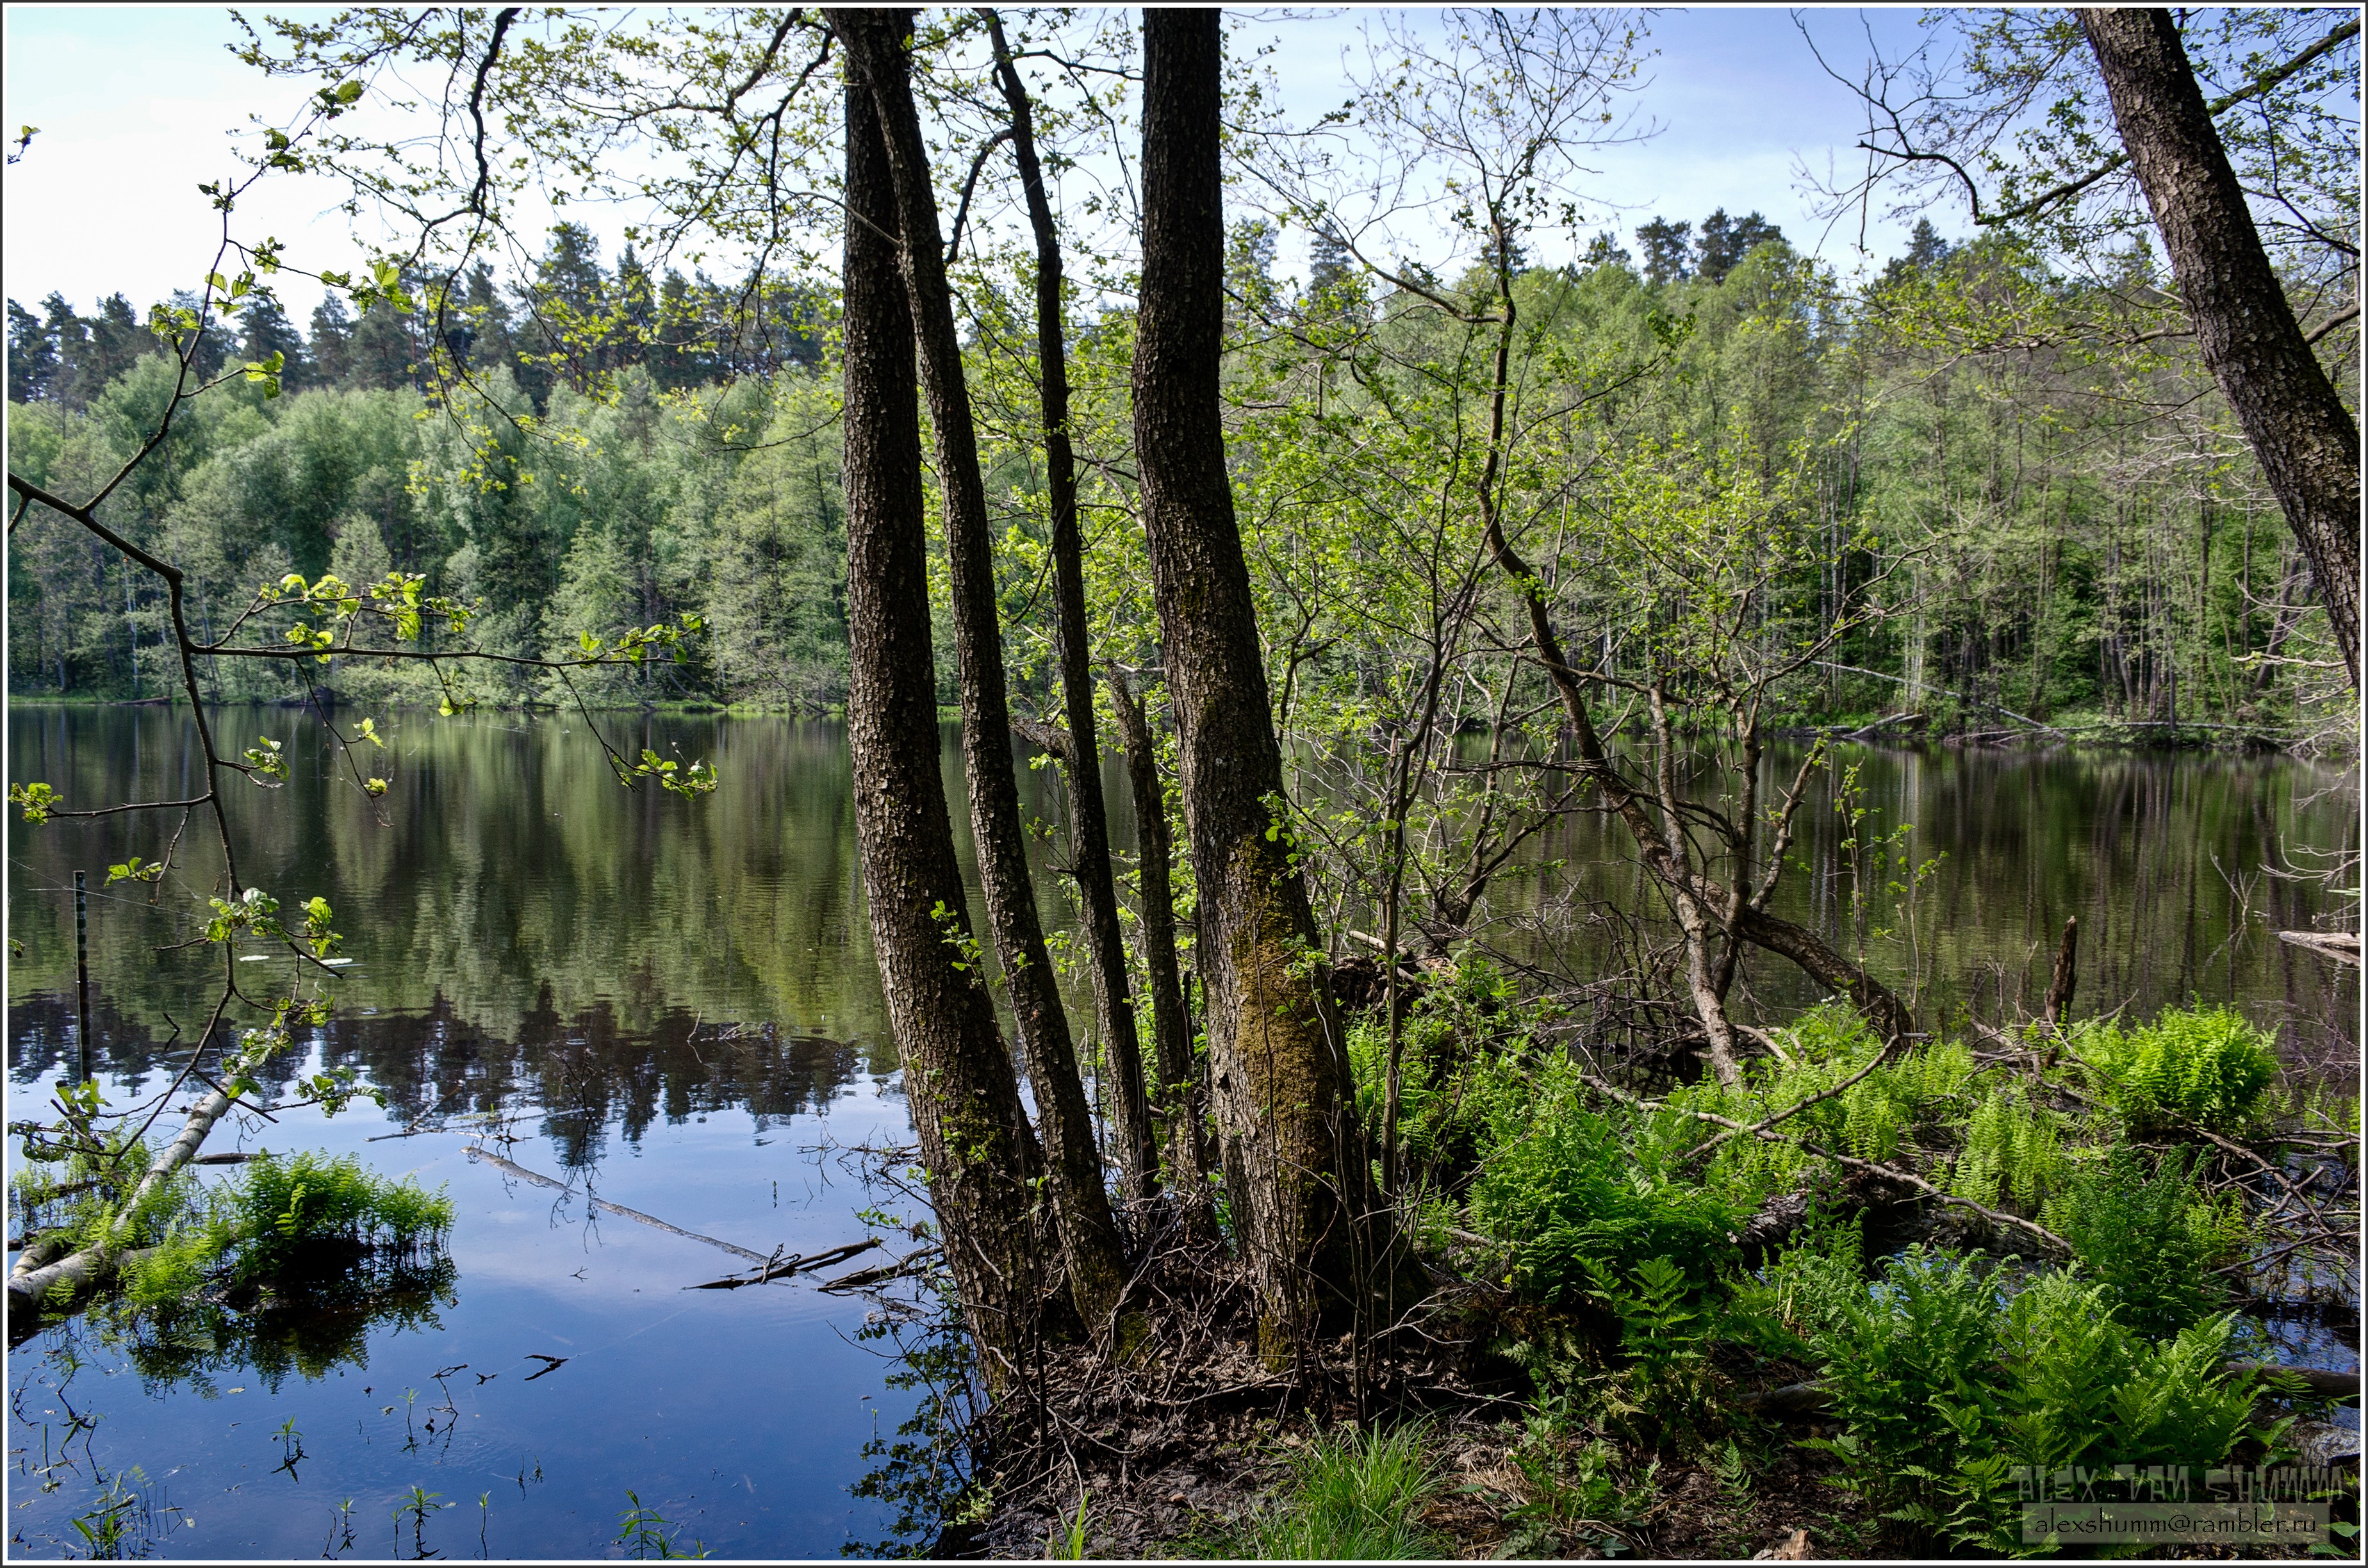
x=674, y=1005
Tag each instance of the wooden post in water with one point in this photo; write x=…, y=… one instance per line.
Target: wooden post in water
x=82, y=979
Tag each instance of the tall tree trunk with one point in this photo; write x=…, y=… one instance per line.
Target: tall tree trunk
x=2308, y=442
x=1284, y=1098
x=1089, y=823
x=1171, y=1026
x=957, y=1074
x=876, y=44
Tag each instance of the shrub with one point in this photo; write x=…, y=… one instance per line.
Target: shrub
x=2206, y=1065
x=1568, y=1486
x=262, y=1222
x=1468, y=1031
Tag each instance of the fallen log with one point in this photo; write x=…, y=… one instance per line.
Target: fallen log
x=34, y=1283
x=1885, y=725
x=2321, y=1383
x=539, y=1179
x=2343, y=947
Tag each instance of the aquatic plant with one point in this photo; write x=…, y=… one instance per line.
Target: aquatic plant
x=275, y=1215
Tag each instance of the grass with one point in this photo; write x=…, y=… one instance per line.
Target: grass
x=1350, y=1498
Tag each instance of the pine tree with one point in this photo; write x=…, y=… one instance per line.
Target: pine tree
x=265, y=330
x=333, y=343
x=116, y=338
x=385, y=351
x=1727, y=241
x=1605, y=250
x=491, y=341
x=1669, y=250
x=32, y=355
x=1926, y=251
x=1335, y=282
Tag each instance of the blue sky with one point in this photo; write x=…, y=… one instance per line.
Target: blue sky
x=134, y=105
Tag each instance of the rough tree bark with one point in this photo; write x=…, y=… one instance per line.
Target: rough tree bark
x=1284, y=1098
x=877, y=44
x=1088, y=821
x=958, y=1075
x=2308, y=442
x=1171, y=1026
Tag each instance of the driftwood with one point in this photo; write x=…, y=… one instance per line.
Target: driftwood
x=1773, y=1225
x=786, y=1269
x=2023, y=720
x=1884, y=726
x=2343, y=947
x=863, y=1278
x=539, y=1179
x=2066, y=976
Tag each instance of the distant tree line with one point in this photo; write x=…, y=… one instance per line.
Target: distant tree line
x=569, y=322
x=2045, y=541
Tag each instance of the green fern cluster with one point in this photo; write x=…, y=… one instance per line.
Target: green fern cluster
x=2150, y=1236
x=2206, y=1065
x=1942, y=1389
x=1583, y=1198
x=1915, y=1098
x=257, y=1224
x=2011, y=1150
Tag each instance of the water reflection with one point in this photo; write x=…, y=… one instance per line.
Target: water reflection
x=680, y=998
x=1955, y=883
x=522, y=926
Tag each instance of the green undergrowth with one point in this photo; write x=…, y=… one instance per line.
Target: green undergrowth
x=2207, y=1066
x=286, y=1266
x=1614, y=1224
x=276, y=1216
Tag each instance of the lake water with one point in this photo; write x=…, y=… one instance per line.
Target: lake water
x=672, y=1004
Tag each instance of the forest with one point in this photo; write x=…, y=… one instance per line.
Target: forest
x=2007, y=497
x=1289, y=1137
